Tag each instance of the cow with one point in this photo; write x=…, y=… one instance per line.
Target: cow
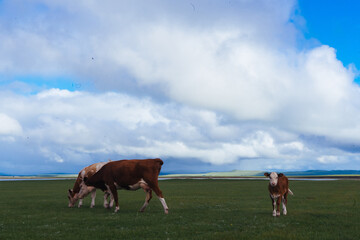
x=130, y=175
x=81, y=190
x=278, y=189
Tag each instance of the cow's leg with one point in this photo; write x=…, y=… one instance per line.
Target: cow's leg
x=106, y=196
x=284, y=203
x=114, y=194
x=111, y=201
x=148, y=192
x=278, y=201
x=80, y=202
x=84, y=191
x=273, y=201
x=154, y=186
x=93, y=196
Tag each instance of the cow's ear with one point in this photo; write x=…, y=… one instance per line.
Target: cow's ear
x=266, y=174
x=70, y=191
x=280, y=175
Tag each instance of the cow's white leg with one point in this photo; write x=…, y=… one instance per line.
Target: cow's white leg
x=108, y=203
x=278, y=201
x=274, y=207
x=273, y=200
x=155, y=187
x=117, y=208
x=109, y=193
x=284, y=205
x=84, y=191
x=166, y=209
x=106, y=196
x=80, y=203
x=111, y=201
x=93, y=196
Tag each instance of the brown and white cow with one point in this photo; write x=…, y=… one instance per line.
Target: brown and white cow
x=81, y=190
x=278, y=189
x=130, y=175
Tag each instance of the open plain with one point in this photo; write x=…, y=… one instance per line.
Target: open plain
x=198, y=209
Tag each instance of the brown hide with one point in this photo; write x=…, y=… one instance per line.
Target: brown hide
x=278, y=191
x=281, y=188
x=125, y=173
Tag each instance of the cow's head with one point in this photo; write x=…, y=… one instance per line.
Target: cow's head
x=72, y=198
x=273, y=177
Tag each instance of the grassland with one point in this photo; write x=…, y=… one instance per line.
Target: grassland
x=199, y=209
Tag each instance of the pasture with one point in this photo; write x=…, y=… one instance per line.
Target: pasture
x=198, y=209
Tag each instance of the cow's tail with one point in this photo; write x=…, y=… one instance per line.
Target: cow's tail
x=290, y=192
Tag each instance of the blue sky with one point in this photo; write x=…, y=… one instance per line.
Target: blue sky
x=334, y=23
x=204, y=85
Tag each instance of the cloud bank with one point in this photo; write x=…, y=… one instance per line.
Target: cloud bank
x=214, y=84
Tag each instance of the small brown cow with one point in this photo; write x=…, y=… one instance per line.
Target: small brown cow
x=130, y=175
x=80, y=190
x=278, y=189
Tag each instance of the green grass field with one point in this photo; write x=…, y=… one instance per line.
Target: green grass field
x=199, y=209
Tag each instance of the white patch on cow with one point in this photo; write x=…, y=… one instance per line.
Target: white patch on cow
x=111, y=201
x=100, y=165
x=136, y=186
x=80, y=203
x=284, y=206
x=163, y=202
x=275, y=196
x=273, y=179
x=274, y=205
x=106, y=203
x=117, y=208
x=93, y=196
x=116, y=185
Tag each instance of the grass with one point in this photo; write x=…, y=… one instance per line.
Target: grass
x=199, y=209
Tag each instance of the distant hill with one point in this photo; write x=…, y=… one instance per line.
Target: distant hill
x=234, y=173
x=239, y=173
x=323, y=173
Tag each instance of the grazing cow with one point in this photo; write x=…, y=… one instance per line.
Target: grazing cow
x=130, y=175
x=81, y=190
x=278, y=189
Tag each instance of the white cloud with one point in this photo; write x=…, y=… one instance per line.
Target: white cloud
x=61, y=122
x=51, y=155
x=329, y=159
x=9, y=126
x=215, y=81
x=54, y=92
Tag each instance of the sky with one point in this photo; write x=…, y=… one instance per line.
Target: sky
x=204, y=85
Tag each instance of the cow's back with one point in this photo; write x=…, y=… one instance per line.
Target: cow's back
x=86, y=172
x=126, y=172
